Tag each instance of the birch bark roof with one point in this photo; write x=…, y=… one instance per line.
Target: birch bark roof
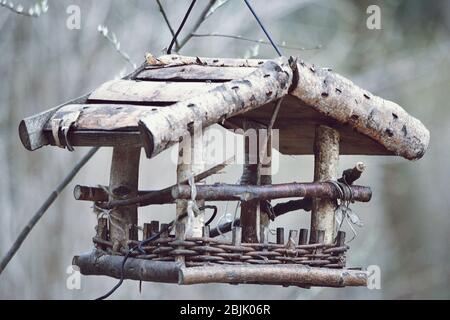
x=177, y=89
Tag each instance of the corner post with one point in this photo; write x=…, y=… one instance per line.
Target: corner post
x=326, y=162
x=265, y=176
x=250, y=176
x=124, y=184
x=190, y=162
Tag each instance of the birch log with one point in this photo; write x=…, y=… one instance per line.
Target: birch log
x=165, y=126
x=123, y=185
x=326, y=162
x=190, y=163
x=99, y=264
x=296, y=275
x=230, y=192
x=382, y=120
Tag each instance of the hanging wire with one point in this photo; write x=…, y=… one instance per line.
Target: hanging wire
x=274, y=45
x=174, y=39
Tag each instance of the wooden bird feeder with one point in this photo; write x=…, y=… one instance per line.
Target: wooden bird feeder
x=159, y=105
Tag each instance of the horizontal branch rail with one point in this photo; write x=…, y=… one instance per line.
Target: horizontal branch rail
x=230, y=192
x=226, y=192
x=297, y=275
x=98, y=263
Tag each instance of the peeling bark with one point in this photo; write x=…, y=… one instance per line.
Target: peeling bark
x=97, y=263
x=190, y=162
x=165, y=126
x=123, y=185
x=382, y=120
x=326, y=163
x=296, y=275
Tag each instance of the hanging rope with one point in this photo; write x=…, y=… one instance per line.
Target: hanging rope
x=274, y=45
x=188, y=12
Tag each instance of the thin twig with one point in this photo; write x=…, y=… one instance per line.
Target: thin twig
x=48, y=202
x=197, y=24
x=34, y=11
x=113, y=40
x=201, y=35
x=166, y=19
x=215, y=6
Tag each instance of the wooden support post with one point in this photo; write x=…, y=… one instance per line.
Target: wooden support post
x=326, y=161
x=292, y=239
x=164, y=234
x=303, y=237
x=102, y=231
x=190, y=162
x=150, y=229
x=264, y=236
x=123, y=185
x=205, y=232
x=154, y=226
x=180, y=234
x=280, y=235
x=250, y=175
x=265, y=175
x=236, y=239
x=147, y=230
x=340, y=239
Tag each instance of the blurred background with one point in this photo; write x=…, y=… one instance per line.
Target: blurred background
x=43, y=63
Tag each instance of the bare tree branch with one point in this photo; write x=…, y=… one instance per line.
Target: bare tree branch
x=112, y=38
x=34, y=11
x=47, y=203
x=282, y=45
x=198, y=23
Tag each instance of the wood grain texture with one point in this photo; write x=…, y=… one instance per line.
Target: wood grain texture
x=190, y=163
x=326, y=164
x=150, y=92
x=367, y=124
x=167, y=125
x=383, y=121
x=296, y=275
x=178, y=60
x=124, y=184
x=296, y=123
x=194, y=73
x=97, y=263
x=31, y=131
x=250, y=210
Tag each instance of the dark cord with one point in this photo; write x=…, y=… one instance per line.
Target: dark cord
x=122, y=276
x=147, y=241
x=169, y=50
x=263, y=28
x=212, y=216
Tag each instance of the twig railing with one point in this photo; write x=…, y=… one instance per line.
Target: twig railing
x=227, y=192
